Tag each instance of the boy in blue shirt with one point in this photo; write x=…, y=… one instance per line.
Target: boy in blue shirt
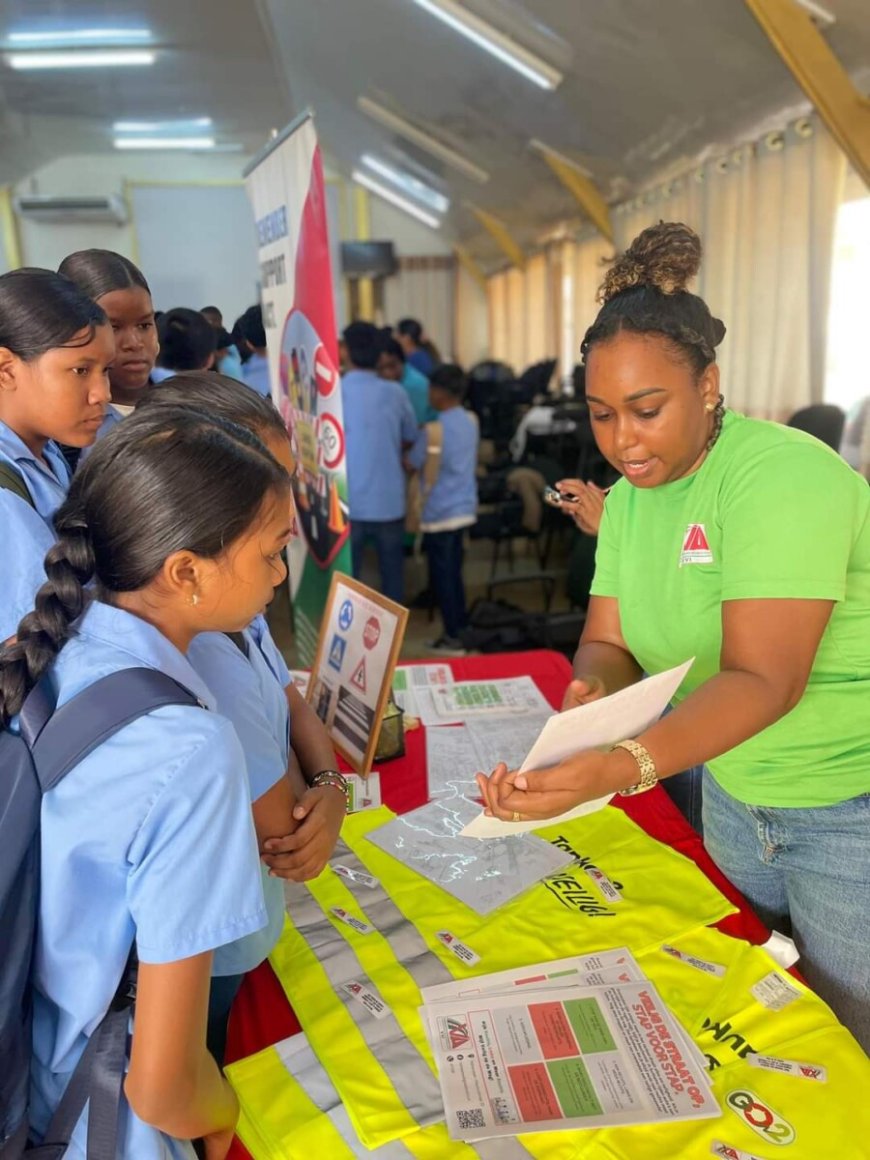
x=446, y=455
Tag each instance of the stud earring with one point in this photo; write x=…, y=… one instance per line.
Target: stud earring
x=709, y=406
x=194, y=600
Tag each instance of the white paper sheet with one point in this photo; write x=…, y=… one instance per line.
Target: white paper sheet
x=451, y=762
x=561, y=1059
x=500, y=698
x=483, y=877
x=612, y=966
x=455, y=754
x=413, y=686
x=594, y=726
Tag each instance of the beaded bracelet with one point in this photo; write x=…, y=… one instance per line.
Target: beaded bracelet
x=334, y=778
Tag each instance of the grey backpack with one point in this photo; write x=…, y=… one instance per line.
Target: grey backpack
x=51, y=742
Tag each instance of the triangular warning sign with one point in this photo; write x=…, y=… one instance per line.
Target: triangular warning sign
x=358, y=677
x=696, y=539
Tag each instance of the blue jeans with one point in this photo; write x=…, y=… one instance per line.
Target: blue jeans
x=389, y=541
x=687, y=793
x=806, y=872
x=445, y=551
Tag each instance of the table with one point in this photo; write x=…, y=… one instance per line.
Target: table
x=261, y=1014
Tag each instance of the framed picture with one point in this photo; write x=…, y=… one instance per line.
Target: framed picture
x=357, y=649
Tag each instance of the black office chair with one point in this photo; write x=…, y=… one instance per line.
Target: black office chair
x=824, y=420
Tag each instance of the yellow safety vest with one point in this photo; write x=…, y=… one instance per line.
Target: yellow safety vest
x=374, y=1080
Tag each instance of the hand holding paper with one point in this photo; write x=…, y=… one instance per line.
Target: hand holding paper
x=566, y=766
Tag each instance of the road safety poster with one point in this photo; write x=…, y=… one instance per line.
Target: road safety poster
x=360, y=637
x=286, y=190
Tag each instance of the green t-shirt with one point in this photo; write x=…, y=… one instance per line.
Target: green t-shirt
x=770, y=514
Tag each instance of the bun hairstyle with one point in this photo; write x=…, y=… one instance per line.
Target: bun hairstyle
x=645, y=292
x=129, y=508
x=215, y=396
x=99, y=272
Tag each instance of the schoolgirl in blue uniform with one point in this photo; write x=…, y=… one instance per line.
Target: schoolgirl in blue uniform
x=56, y=349
x=149, y=839
x=252, y=687
x=120, y=289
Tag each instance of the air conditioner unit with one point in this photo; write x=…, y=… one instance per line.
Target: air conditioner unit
x=72, y=209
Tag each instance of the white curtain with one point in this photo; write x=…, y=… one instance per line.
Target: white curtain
x=423, y=288
x=471, y=326
x=766, y=215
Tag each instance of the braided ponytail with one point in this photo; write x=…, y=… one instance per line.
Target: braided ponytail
x=42, y=633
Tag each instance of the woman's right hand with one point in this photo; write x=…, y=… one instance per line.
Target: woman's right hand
x=582, y=691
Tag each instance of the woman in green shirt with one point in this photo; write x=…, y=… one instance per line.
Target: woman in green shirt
x=746, y=545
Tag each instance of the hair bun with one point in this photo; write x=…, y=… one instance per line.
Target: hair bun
x=664, y=257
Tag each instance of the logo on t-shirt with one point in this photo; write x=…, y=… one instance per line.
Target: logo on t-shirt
x=696, y=549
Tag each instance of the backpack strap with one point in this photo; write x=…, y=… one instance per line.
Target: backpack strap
x=12, y=480
x=240, y=641
x=60, y=738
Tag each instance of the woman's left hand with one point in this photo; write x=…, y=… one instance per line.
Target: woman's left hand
x=546, y=793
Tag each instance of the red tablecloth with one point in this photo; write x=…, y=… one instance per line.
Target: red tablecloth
x=261, y=1014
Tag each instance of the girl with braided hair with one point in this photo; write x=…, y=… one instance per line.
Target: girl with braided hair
x=56, y=350
x=175, y=526
x=745, y=545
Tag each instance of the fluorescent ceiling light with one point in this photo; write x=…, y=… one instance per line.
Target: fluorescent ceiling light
x=79, y=58
x=395, y=199
x=491, y=40
x=80, y=36
x=409, y=184
x=162, y=126
x=422, y=140
x=164, y=142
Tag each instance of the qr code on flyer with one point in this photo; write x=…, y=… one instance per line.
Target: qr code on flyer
x=472, y=1118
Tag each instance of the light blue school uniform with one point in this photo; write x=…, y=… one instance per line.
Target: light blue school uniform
x=149, y=837
x=452, y=502
x=251, y=692
x=378, y=419
x=161, y=374
x=255, y=374
x=27, y=533
x=231, y=364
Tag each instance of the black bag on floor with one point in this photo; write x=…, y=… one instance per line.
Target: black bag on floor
x=497, y=626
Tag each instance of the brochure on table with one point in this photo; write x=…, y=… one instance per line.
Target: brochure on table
x=516, y=1052
x=360, y=637
x=597, y=725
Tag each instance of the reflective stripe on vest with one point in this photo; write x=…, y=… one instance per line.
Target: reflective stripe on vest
x=383, y=1068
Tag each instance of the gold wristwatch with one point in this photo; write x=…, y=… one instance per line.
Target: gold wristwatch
x=645, y=763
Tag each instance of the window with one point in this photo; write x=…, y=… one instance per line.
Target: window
x=847, y=374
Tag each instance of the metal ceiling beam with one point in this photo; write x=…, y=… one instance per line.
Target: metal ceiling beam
x=581, y=188
x=499, y=232
x=804, y=50
x=470, y=266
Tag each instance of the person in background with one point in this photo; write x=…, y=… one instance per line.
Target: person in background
x=379, y=425
x=255, y=372
x=171, y=528
x=393, y=366
x=449, y=497
x=410, y=333
x=297, y=809
x=745, y=545
x=120, y=289
x=228, y=361
x=187, y=343
x=56, y=349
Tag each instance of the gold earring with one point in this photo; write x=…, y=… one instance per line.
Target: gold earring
x=194, y=600
x=709, y=406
